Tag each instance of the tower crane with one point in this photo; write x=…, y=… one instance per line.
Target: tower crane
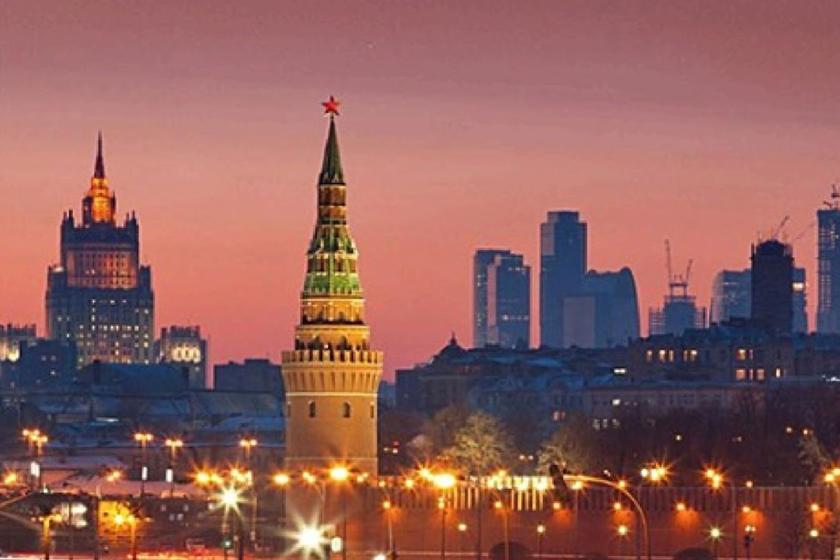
x=677, y=283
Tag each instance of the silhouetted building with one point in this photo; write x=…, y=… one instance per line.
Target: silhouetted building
x=605, y=313
x=99, y=296
x=677, y=314
x=40, y=363
x=579, y=308
x=732, y=297
x=501, y=299
x=562, y=268
x=254, y=374
x=772, y=286
x=184, y=346
x=828, y=269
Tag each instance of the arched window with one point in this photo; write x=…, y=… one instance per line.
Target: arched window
x=288, y=410
x=312, y=410
x=346, y=410
x=372, y=410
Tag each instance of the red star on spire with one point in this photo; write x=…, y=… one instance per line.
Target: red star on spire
x=331, y=106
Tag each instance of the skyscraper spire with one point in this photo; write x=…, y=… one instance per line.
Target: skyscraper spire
x=99, y=166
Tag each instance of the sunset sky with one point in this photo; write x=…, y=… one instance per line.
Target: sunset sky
x=462, y=124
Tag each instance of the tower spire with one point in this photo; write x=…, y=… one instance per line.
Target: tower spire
x=331, y=172
x=99, y=166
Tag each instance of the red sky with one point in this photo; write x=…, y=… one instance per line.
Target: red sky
x=463, y=123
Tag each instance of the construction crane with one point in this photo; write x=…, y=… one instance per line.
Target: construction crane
x=677, y=283
x=774, y=233
x=835, y=195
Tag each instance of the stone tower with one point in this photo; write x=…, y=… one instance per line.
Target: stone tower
x=332, y=375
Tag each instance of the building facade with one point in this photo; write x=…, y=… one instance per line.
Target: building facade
x=12, y=337
x=731, y=296
x=563, y=265
x=99, y=296
x=332, y=375
x=501, y=299
x=185, y=347
x=828, y=270
x=772, y=286
x=258, y=375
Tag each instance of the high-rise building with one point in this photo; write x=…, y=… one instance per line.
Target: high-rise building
x=99, y=296
x=605, y=314
x=772, y=286
x=501, y=299
x=562, y=270
x=828, y=267
x=332, y=375
x=732, y=297
x=184, y=346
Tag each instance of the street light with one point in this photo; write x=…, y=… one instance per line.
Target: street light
x=131, y=521
x=749, y=538
x=715, y=534
x=144, y=439
x=540, y=537
x=341, y=474
x=173, y=444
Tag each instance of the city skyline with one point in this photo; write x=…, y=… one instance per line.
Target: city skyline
x=217, y=180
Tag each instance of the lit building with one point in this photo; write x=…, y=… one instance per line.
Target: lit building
x=562, y=268
x=12, y=337
x=772, y=286
x=828, y=268
x=185, y=347
x=501, y=299
x=99, y=296
x=332, y=375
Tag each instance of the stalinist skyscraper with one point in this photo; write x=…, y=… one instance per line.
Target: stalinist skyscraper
x=332, y=375
x=100, y=296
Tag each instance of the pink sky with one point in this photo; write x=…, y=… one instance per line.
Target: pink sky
x=463, y=123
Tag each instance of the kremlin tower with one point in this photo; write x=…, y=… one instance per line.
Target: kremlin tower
x=332, y=375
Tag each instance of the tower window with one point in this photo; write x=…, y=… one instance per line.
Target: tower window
x=312, y=410
x=372, y=410
x=346, y=410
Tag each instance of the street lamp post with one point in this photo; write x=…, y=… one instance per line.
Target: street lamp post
x=143, y=438
x=577, y=481
x=749, y=537
x=340, y=475
x=540, y=537
x=174, y=444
